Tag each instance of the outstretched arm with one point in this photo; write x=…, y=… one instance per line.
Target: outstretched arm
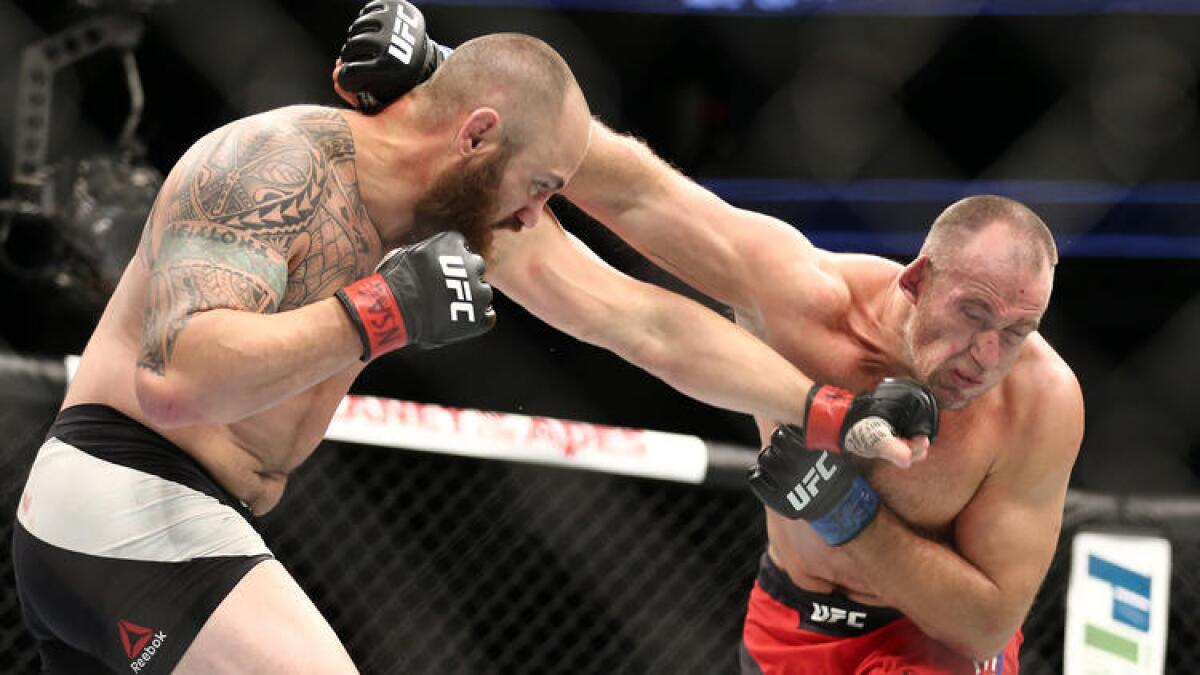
x=688, y=346
x=681, y=226
x=712, y=246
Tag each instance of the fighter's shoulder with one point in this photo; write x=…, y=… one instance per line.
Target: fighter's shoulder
x=263, y=174
x=303, y=117
x=280, y=129
x=861, y=277
x=859, y=269
x=1045, y=397
x=1043, y=374
x=786, y=272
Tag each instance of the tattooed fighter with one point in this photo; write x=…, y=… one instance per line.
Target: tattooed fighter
x=256, y=297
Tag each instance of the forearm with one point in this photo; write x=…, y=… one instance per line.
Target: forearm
x=227, y=365
x=947, y=597
x=709, y=358
x=682, y=227
x=618, y=173
x=687, y=345
x=655, y=209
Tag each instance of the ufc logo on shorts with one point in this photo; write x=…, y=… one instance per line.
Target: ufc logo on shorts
x=403, y=40
x=809, y=487
x=825, y=614
x=455, y=271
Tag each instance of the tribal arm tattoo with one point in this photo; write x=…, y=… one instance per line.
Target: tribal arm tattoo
x=220, y=233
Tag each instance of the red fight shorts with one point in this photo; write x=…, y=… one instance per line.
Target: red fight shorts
x=790, y=631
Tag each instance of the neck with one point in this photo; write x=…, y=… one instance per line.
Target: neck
x=894, y=315
x=393, y=160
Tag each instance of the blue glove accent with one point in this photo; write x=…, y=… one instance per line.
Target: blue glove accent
x=851, y=515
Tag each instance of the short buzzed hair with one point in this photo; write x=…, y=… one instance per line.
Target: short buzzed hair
x=966, y=217
x=520, y=76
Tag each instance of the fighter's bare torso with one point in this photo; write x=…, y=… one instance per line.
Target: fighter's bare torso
x=840, y=345
x=300, y=199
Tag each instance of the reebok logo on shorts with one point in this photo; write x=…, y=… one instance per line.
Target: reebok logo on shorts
x=141, y=643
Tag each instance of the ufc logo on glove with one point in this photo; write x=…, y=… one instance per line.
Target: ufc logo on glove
x=808, y=488
x=402, y=302
x=403, y=38
x=456, y=272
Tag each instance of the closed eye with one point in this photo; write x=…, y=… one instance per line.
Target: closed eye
x=554, y=184
x=972, y=315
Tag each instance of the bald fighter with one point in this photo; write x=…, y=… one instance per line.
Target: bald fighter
x=870, y=567
x=259, y=292
x=873, y=566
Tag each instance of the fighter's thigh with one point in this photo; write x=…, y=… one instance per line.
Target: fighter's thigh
x=919, y=655
x=266, y=625
x=930, y=664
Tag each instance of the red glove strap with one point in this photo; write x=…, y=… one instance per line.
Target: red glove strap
x=379, y=313
x=827, y=410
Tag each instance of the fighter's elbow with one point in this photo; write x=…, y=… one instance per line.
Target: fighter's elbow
x=164, y=401
x=630, y=340
x=983, y=650
x=982, y=641
x=651, y=354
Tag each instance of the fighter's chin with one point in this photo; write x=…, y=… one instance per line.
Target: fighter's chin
x=952, y=398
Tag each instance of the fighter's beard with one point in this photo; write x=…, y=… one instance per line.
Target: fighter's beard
x=463, y=201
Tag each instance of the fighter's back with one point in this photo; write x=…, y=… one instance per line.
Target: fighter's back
x=261, y=215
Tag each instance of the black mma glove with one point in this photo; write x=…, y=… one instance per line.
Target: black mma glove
x=823, y=488
x=387, y=53
x=830, y=413
x=428, y=294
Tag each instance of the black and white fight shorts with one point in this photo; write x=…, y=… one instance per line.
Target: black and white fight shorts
x=123, y=547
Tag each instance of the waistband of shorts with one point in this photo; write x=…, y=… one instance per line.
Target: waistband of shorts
x=830, y=614
x=110, y=435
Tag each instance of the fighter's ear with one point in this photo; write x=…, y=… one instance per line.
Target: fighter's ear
x=913, y=278
x=480, y=133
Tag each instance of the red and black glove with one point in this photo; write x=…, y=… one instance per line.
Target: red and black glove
x=429, y=294
x=830, y=413
x=386, y=54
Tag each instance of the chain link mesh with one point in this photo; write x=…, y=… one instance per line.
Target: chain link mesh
x=433, y=564
x=482, y=567
x=24, y=424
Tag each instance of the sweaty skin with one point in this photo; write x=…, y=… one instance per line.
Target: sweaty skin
x=262, y=215
x=965, y=536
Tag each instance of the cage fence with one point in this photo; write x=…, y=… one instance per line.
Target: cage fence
x=426, y=563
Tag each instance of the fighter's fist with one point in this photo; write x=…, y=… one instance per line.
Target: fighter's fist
x=428, y=294
x=871, y=424
x=823, y=488
x=387, y=53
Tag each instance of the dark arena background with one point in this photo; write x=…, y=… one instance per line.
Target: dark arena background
x=857, y=121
